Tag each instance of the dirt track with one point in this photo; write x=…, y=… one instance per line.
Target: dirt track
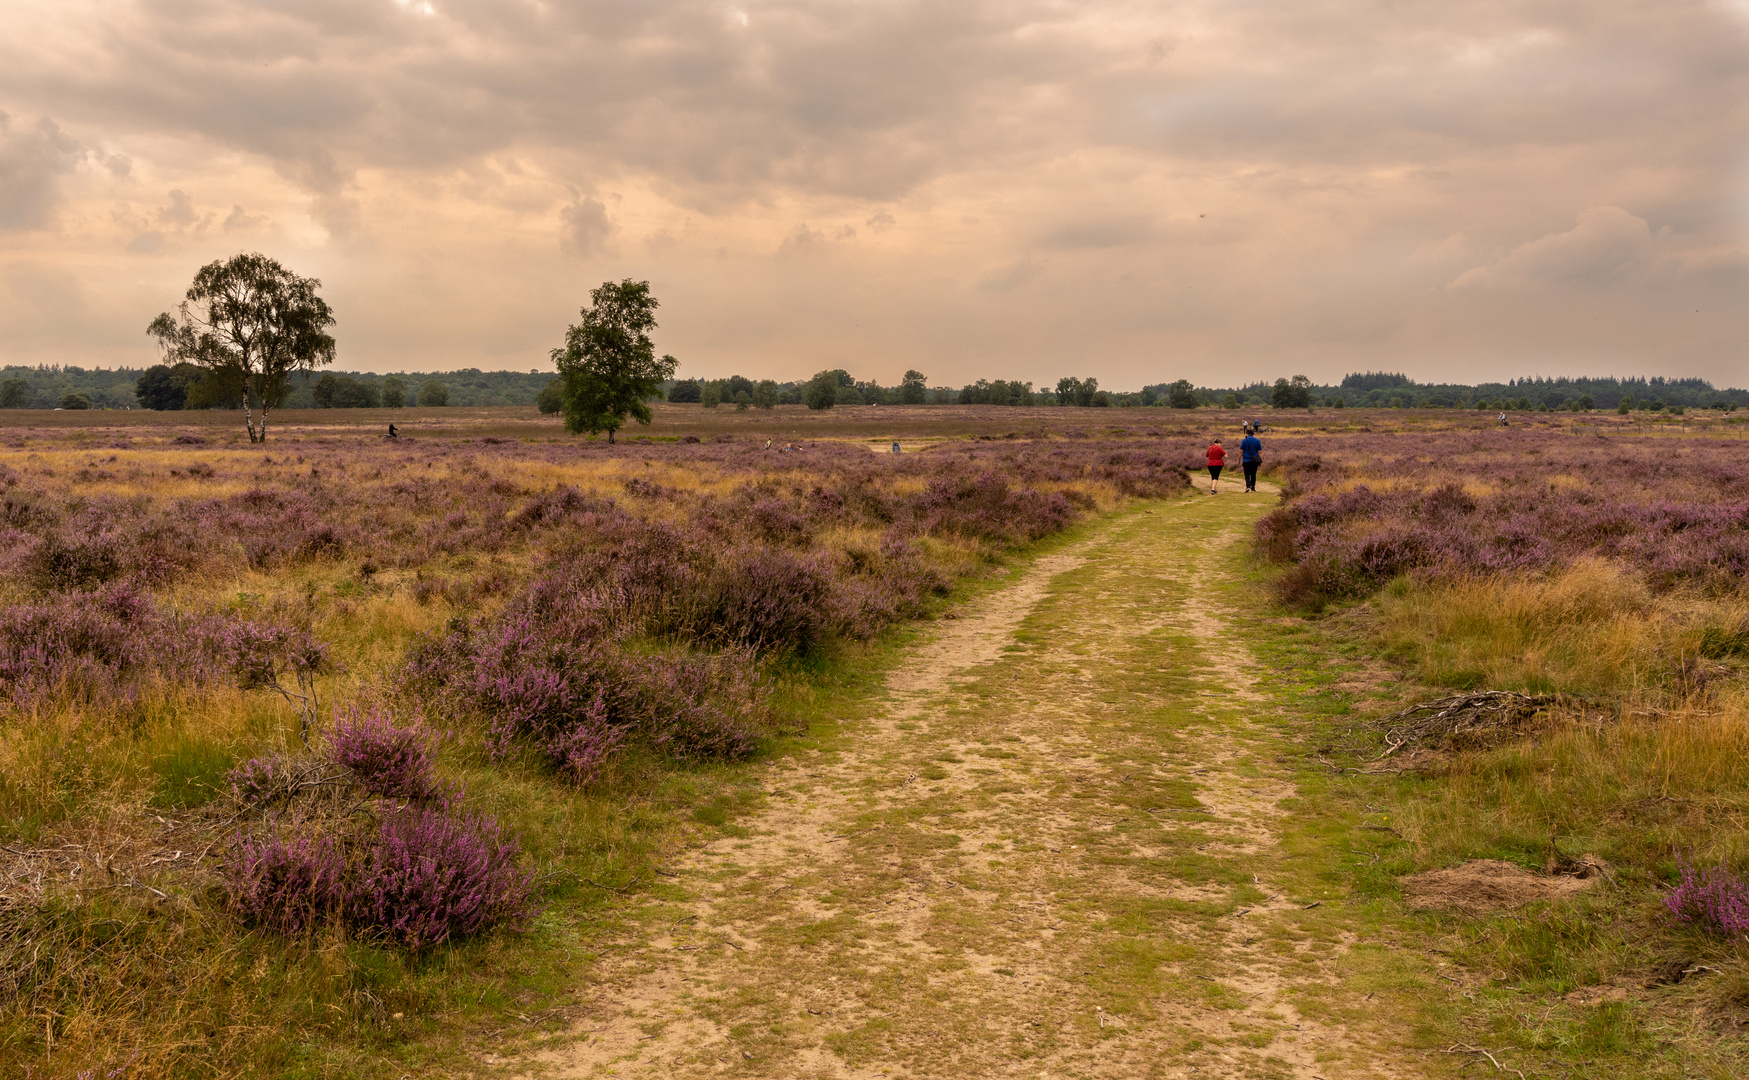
x=1051, y=851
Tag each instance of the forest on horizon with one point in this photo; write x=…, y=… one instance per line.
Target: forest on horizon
x=55, y=386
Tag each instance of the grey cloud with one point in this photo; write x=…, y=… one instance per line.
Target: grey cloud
x=1099, y=232
x=178, y=219
x=1605, y=245
x=585, y=227
x=1009, y=276
x=1352, y=158
x=180, y=212
x=871, y=100
x=804, y=240
x=241, y=220
x=38, y=297
x=32, y=161
x=150, y=242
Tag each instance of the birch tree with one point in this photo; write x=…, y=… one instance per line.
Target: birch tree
x=250, y=323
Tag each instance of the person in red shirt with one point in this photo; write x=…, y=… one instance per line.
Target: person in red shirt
x=1217, y=458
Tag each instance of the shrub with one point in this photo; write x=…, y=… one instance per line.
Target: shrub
x=289, y=886
x=385, y=760
x=769, y=600
x=580, y=750
x=430, y=877
x=74, y=562
x=1712, y=898
x=103, y=646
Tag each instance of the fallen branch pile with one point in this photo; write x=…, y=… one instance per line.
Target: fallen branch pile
x=1464, y=720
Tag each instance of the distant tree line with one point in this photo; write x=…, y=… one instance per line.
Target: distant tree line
x=1373, y=390
x=1398, y=391
x=186, y=386
x=183, y=387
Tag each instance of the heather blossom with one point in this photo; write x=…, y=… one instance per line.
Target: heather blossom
x=1711, y=898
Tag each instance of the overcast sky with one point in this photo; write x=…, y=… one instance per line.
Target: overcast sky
x=1456, y=189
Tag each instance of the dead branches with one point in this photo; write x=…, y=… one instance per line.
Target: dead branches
x=1465, y=720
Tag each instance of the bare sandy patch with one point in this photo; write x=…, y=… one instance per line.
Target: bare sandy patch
x=1486, y=886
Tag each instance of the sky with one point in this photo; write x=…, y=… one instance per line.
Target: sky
x=1224, y=191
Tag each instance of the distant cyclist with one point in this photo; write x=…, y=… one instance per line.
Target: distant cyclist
x=1217, y=457
x=1250, y=457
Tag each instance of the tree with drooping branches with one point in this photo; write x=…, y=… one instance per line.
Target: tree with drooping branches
x=250, y=323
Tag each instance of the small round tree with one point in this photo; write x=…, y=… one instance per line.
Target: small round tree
x=433, y=395
x=608, y=362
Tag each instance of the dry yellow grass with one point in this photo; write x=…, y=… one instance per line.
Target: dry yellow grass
x=1592, y=628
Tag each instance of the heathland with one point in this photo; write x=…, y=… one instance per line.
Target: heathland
x=737, y=747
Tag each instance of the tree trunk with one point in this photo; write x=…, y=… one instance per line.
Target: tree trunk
x=249, y=415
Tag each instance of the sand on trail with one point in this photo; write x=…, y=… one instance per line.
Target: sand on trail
x=1015, y=865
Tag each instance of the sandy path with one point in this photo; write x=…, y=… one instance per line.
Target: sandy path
x=1049, y=852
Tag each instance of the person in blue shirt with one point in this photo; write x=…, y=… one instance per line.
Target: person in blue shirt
x=1251, y=456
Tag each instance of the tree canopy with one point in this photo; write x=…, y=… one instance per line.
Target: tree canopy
x=1292, y=394
x=249, y=322
x=822, y=389
x=608, y=362
x=167, y=388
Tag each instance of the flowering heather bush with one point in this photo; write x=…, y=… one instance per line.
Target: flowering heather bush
x=767, y=600
x=1364, y=509
x=429, y=877
x=387, y=761
x=580, y=749
x=541, y=679
x=103, y=646
x=289, y=886
x=1712, y=898
x=985, y=506
x=426, y=876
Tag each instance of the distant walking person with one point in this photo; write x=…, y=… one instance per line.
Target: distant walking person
x=1217, y=458
x=1251, y=456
